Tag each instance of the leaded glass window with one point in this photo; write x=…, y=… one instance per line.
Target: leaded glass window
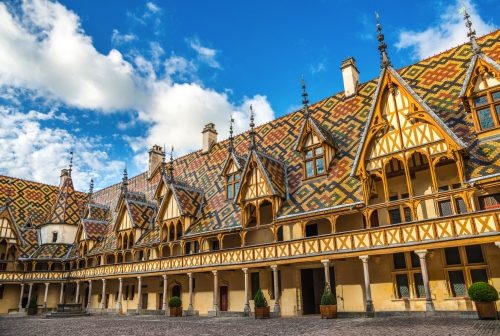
x=402, y=283
x=408, y=215
x=314, y=161
x=415, y=260
x=320, y=166
x=232, y=185
x=461, y=207
x=485, y=118
x=480, y=100
x=419, y=284
x=445, y=208
x=309, y=169
x=457, y=283
x=399, y=260
x=452, y=256
x=395, y=216
x=474, y=254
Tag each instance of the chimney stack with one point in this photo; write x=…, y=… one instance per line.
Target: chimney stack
x=209, y=137
x=64, y=176
x=350, y=75
x=156, y=156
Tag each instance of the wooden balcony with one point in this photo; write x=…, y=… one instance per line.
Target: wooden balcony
x=478, y=227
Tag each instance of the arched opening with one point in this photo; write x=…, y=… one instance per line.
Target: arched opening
x=211, y=244
x=3, y=250
x=85, y=250
x=125, y=241
x=290, y=231
x=165, y=252
x=349, y=222
x=179, y=232
x=446, y=174
x=176, y=291
x=279, y=234
x=231, y=241
x=318, y=227
x=171, y=232
x=128, y=256
x=250, y=215
x=257, y=237
x=265, y=212
x=42, y=266
x=397, y=186
x=120, y=258
x=177, y=250
x=164, y=233
x=131, y=240
x=420, y=174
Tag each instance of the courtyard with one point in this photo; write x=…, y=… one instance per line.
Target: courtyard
x=187, y=326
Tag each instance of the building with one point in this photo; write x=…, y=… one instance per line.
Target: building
x=388, y=191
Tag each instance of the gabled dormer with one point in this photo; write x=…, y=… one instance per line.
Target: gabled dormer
x=480, y=94
x=263, y=186
x=232, y=168
x=315, y=143
x=404, y=141
x=10, y=236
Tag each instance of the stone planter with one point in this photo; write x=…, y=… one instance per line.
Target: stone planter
x=32, y=311
x=261, y=312
x=175, y=311
x=328, y=312
x=486, y=310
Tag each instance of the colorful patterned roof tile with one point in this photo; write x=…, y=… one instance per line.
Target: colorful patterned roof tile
x=150, y=236
x=93, y=229
x=189, y=200
x=66, y=209
x=275, y=173
x=51, y=251
x=30, y=240
x=142, y=214
x=98, y=212
x=323, y=133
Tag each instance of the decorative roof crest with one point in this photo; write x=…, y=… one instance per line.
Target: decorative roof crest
x=305, y=101
x=471, y=34
x=382, y=46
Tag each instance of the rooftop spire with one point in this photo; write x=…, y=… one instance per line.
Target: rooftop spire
x=252, y=131
x=231, y=147
x=171, y=167
x=91, y=188
x=162, y=169
x=70, y=163
x=125, y=181
x=305, y=101
x=382, y=46
x=476, y=49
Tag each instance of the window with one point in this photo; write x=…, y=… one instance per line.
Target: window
x=255, y=283
x=232, y=185
x=3, y=267
x=415, y=260
x=478, y=275
x=408, y=281
x=445, y=208
x=54, y=237
x=489, y=202
x=474, y=254
x=399, y=260
x=314, y=161
x=407, y=214
x=460, y=204
x=419, y=284
x=280, y=234
x=452, y=255
x=272, y=284
x=393, y=198
x=1, y=292
x=395, y=216
x=487, y=110
x=403, y=287
x=443, y=188
x=457, y=283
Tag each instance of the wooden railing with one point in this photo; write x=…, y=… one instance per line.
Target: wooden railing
x=485, y=223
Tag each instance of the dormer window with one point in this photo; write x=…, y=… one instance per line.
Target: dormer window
x=314, y=161
x=232, y=185
x=486, y=110
x=54, y=237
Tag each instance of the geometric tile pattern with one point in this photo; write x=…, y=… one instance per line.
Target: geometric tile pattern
x=93, y=229
x=141, y=214
x=189, y=199
x=50, y=251
x=66, y=209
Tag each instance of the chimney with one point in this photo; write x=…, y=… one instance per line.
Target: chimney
x=350, y=75
x=209, y=137
x=156, y=156
x=64, y=176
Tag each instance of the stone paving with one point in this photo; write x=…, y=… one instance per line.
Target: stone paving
x=187, y=326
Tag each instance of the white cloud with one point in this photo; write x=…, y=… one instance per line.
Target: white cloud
x=449, y=32
x=205, y=54
x=45, y=53
x=39, y=153
x=118, y=38
x=320, y=67
x=152, y=7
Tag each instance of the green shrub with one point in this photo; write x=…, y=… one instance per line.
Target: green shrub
x=482, y=292
x=259, y=300
x=174, y=302
x=33, y=303
x=328, y=299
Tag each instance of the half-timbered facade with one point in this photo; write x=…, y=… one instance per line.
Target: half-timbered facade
x=389, y=192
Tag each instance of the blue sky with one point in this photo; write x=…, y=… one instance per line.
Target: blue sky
x=108, y=79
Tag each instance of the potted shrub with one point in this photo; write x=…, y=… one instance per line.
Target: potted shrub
x=33, y=306
x=328, y=306
x=175, y=305
x=261, y=307
x=484, y=296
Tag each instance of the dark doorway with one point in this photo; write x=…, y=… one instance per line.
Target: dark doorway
x=107, y=301
x=313, y=284
x=223, y=298
x=144, y=301
x=160, y=302
x=176, y=291
x=87, y=297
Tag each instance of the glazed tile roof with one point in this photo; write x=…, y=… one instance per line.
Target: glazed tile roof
x=98, y=212
x=51, y=251
x=93, y=229
x=141, y=214
x=30, y=242
x=275, y=173
x=437, y=80
x=323, y=133
x=188, y=199
x=66, y=209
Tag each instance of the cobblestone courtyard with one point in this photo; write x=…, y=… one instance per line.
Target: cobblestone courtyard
x=187, y=326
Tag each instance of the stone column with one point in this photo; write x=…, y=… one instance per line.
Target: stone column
x=164, y=307
x=103, y=296
x=120, y=290
x=429, y=305
x=77, y=291
x=216, y=287
x=45, y=295
x=90, y=295
x=29, y=294
x=139, y=299
x=369, y=302
x=276, y=308
x=190, y=306
x=20, y=305
x=326, y=265
x=62, y=293
x=247, y=305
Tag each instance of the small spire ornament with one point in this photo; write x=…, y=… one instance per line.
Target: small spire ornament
x=471, y=34
x=252, y=131
x=305, y=101
x=385, y=62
